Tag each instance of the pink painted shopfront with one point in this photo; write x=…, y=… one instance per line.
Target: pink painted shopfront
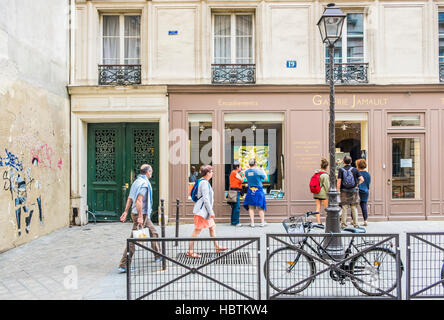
x=398, y=129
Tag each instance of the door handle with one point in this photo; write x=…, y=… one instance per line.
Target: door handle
x=125, y=186
x=389, y=181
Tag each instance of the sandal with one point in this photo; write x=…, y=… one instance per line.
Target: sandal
x=192, y=255
x=221, y=249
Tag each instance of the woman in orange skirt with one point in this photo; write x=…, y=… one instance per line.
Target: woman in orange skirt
x=203, y=210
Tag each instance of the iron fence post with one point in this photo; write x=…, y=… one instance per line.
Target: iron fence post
x=128, y=271
x=398, y=268
x=177, y=220
x=162, y=228
x=408, y=268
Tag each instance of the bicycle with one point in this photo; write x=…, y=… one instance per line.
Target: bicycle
x=289, y=266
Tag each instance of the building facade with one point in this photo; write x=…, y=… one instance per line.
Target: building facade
x=34, y=122
x=172, y=81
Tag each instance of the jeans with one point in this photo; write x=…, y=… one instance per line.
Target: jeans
x=363, y=205
x=235, y=211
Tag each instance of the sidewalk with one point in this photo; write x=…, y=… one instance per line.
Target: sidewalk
x=45, y=268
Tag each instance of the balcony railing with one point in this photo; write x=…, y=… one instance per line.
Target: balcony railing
x=120, y=74
x=233, y=73
x=441, y=72
x=348, y=73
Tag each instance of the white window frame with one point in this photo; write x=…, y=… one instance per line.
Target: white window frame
x=344, y=39
x=233, y=34
x=121, y=35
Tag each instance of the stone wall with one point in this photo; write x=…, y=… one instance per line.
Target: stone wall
x=34, y=119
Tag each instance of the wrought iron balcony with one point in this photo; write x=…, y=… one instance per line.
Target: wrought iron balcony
x=120, y=74
x=233, y=73
x=441, y=72
x=348, y=73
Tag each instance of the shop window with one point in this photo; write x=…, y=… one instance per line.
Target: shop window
x=406, y=168
x=351, y=132
x=407, y=120
x=200, y=146
x=258, y=136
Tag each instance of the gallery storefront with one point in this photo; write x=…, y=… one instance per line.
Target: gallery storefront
x=398, y=129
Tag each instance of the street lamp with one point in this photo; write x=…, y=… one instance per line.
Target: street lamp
x=330, y=27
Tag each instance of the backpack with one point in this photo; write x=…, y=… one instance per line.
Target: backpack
x=315, y=182
x=193, y=192
x=348, y=179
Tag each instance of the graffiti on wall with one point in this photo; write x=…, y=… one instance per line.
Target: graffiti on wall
x=45, y=156
x=20, y=183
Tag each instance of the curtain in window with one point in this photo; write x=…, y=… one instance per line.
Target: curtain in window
x=244, y=39
x=111, y=41
x=222, y=39
x=132, y=40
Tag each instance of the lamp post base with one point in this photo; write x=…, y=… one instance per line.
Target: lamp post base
x=333, y=244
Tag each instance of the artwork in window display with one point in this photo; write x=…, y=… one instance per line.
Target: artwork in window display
x=245, y=153
x=280, y=195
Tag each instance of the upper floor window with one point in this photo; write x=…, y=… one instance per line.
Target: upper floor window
x=121, y=39
x=441, y=36
x=350, y=48
x=349, y=53
x=441, y=45
x=233, y=49
x=233, y=38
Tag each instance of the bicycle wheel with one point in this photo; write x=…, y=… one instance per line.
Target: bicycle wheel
x=285, y=271
x=377, y=268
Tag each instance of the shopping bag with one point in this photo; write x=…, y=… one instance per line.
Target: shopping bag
x=232, y=196
x=141, y=233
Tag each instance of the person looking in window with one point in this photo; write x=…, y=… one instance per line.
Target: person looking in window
x=255, y=198
x=236, y=179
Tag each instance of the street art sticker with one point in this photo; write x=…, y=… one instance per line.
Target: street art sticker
x=20, y=183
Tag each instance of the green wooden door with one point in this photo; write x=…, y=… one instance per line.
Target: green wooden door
x=142, y=146
x=115, y=153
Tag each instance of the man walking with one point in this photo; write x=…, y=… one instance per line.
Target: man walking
x=348, y=180
x=140, y=200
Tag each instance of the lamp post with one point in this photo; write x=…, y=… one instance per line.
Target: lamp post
x=330, y=27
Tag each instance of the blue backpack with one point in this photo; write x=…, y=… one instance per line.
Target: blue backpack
x=348, y=181
x=193, y=192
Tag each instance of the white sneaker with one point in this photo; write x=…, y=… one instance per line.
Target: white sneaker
x=238, y=225
x=263, y=224
x=252, y=225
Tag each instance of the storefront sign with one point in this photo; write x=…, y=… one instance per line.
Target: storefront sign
x=353, y=102
x=222, y=102
x=406, y=163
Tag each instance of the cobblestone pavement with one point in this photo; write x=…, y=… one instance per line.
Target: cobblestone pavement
x=45, y=267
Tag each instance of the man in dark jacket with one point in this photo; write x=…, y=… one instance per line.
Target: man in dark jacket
x=348, y=180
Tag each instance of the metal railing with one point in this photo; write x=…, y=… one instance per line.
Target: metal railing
x=230, y=274
x=298, y=267
x=425, y=265
x=441, y=72
x=348, y=73
x=120, y=74
x=233, y=73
